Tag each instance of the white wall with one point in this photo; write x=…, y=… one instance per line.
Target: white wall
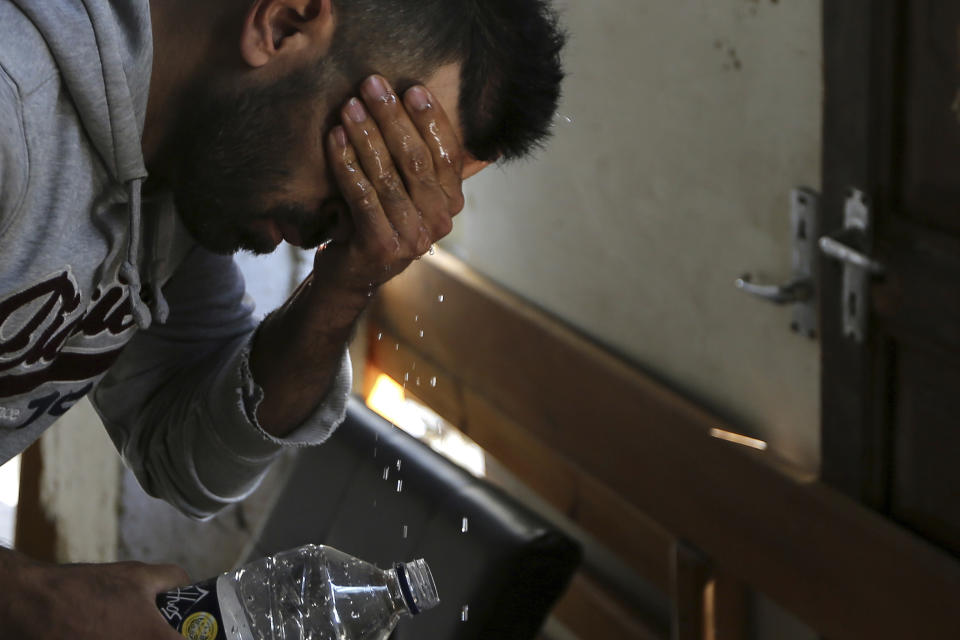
x=691, y=121
x=80, y=486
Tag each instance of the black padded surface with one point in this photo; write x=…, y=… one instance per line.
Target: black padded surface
x=509, y=567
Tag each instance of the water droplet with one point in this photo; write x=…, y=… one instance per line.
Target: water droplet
x=421, y=333
x=399, y=486
x=433, y=381
x=465, y=525
x=465, y=613
x=406, y=377
x=396, y=347
x=413, y=367
x=406, y=530
x=386, y=472
x=440, y=298
x=433, y=249
x=354, y=615
x=418, y=381
x=379, y=336
x=399, y=462
x=416, y=318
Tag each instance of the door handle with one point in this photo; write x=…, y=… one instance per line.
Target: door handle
x=837, y=246
x=799, y=290
x=848, y=247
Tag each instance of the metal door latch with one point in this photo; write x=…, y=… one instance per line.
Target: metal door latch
x=800, y=291
x=850, y=246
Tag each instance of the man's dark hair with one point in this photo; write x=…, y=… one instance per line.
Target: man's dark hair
x=509, y=51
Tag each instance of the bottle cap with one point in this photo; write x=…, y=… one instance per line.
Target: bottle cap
x=417, y=585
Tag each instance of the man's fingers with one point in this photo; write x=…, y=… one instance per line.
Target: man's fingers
x=358, y=192
x=153, y=578
x=436, y=130
x=376, y=161
x=169, y=576
x=411, y=154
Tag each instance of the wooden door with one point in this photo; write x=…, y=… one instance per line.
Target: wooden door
x=891, y=404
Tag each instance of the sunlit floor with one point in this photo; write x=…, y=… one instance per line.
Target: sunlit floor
x=9, y=490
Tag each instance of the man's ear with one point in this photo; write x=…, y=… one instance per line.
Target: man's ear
x=281, y=28
x=472, y=166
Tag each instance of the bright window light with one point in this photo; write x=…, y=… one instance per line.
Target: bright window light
x=389, y=399
x=736, y=438
x=9, y=493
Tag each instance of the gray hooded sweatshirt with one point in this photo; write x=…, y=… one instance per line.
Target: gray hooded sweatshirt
x=103, y=292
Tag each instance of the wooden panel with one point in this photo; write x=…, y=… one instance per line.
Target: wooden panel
x=691, y=576
x=593, y=613
x=919, y=295
x=844, y=570
x=731, y=608
x=931, y=191
x=926, y=487
x=614, y=522
x=35, y=534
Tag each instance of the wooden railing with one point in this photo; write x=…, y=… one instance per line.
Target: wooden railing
x=634, y=465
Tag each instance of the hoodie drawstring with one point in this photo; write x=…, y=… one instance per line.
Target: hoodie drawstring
x=129, y=270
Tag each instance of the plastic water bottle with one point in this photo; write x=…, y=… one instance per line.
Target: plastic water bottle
x=309, y=593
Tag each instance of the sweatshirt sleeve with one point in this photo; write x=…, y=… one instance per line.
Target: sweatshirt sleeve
x=180, y=403
x=13, y=152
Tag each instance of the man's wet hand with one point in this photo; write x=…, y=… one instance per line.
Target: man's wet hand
x=84, y=602
x=399, y=165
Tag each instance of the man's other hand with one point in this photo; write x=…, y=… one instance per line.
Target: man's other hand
x=84, y=601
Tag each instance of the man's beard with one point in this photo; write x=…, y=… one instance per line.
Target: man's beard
x=233, y=155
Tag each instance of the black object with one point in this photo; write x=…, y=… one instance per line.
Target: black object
x=509, y=567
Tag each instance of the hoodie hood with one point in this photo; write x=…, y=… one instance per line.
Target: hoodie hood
x=104, y=50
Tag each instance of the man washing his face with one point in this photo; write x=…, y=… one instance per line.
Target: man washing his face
x=142, y=142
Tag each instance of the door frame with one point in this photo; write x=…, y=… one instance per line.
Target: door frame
x=863, y=69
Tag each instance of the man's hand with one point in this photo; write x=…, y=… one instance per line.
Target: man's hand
x=400, y=168
x=84, y=602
